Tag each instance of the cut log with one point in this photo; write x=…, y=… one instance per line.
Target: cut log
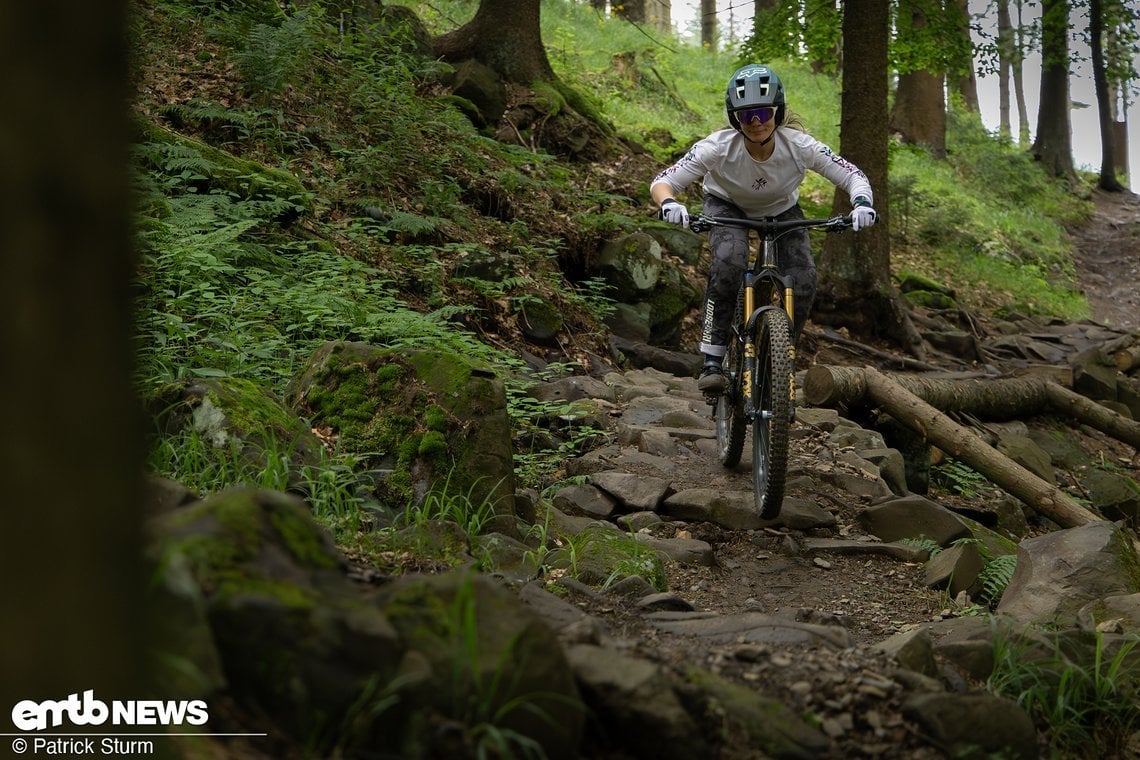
x=996, y=399
x=1127, y=359
x=967, y=446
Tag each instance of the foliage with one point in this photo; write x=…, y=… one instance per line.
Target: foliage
x=1087, y=709
x=240, y=276
x=957, y=477
x=331, y=486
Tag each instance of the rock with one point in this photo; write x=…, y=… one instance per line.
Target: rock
x=955, y=568
x=487, y=650
x=912, y=650
x=635, y=704
x=1059, y=573
x=912, y=517
x=966, y=724
x=755, y=628
x=633, y=493
x=683, y=551
x=585, y=501
x=770, y=727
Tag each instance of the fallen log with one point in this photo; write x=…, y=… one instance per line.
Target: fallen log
x=1127, y=358
x=964, y=444
x=996, y=399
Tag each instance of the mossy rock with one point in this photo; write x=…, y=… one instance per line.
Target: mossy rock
x=910, y=282
x=493, y=663
x=427, y=421
x=930, y=299
x=298, y=641
x=234, y=414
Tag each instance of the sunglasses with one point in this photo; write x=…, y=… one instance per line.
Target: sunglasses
x=763, y=114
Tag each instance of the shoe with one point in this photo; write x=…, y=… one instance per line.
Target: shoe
x=712, y=380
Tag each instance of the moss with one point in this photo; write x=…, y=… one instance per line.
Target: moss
x=301, y=538
x=432, y=444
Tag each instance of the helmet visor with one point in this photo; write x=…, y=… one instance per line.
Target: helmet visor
x=764, y=114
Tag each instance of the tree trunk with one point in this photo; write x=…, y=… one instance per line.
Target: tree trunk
x=967, y=83
x=854, y=272
x=1053, y=146
x=919, y=113
x=963, y=444
x=1005, y=54
x=504, y=35
x=659, y=16
x=998, y=399
x=630, y=10
x=1019, y=82
x=709, y=25
x=71, y=528
x=1107, y=179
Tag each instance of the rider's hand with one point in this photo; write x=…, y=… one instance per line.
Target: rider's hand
x=674, y=212
x=863, y=217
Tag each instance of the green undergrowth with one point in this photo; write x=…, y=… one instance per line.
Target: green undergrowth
x=301, y=181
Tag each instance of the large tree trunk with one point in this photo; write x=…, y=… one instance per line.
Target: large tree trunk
x=630, y=10
x=854, y=272
x=1107, y=179
x=919, y=113
x=963, y=444
x=504, y=35
x=1053, y=146
x=71, y=525
x=709, y=32
x=966, y=83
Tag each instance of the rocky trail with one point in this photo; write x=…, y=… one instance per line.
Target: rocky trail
x=812, y=609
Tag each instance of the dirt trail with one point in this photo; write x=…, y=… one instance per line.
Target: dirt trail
x=1108, y=269
x=871, y=596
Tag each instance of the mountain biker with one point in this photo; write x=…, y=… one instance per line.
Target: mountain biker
x=754, y=170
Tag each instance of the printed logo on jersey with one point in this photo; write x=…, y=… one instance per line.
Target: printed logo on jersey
x=759, y=183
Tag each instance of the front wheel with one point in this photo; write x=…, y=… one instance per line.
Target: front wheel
x=773, y=397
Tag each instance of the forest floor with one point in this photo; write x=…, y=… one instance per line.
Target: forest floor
x=872, y=597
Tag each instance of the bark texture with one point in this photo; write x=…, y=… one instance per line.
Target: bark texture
x=70, y=533
x=960, y=442
x=993, y=399
x=504, y=35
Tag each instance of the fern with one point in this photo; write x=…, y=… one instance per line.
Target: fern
x=995, y=577
x=925, y=543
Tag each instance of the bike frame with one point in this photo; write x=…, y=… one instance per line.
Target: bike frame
x=763, y=268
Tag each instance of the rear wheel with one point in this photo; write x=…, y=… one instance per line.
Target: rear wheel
x=728, y=413
x=773, y=394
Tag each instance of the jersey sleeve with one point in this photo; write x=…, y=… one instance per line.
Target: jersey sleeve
x=841, y=172
x=691, y=168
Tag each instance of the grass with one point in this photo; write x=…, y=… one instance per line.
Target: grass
x=1087, y=709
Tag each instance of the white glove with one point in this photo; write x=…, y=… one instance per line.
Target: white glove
x=863, y=217
x=674, y=212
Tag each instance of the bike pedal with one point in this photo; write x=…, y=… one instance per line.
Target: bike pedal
x=712, y=398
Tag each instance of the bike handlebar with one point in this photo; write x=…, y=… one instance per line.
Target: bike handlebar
x=768, y=225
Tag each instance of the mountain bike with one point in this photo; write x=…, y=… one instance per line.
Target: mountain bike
x=759, y=365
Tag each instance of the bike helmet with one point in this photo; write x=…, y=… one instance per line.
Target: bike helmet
x=753, y=86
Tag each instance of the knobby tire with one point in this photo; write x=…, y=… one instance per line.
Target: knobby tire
x=773, y=397
x=728, y=414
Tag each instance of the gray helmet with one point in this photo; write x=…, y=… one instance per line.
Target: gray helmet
x=753, y=86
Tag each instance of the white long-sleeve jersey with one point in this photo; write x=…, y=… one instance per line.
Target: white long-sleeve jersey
x=762, y=188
